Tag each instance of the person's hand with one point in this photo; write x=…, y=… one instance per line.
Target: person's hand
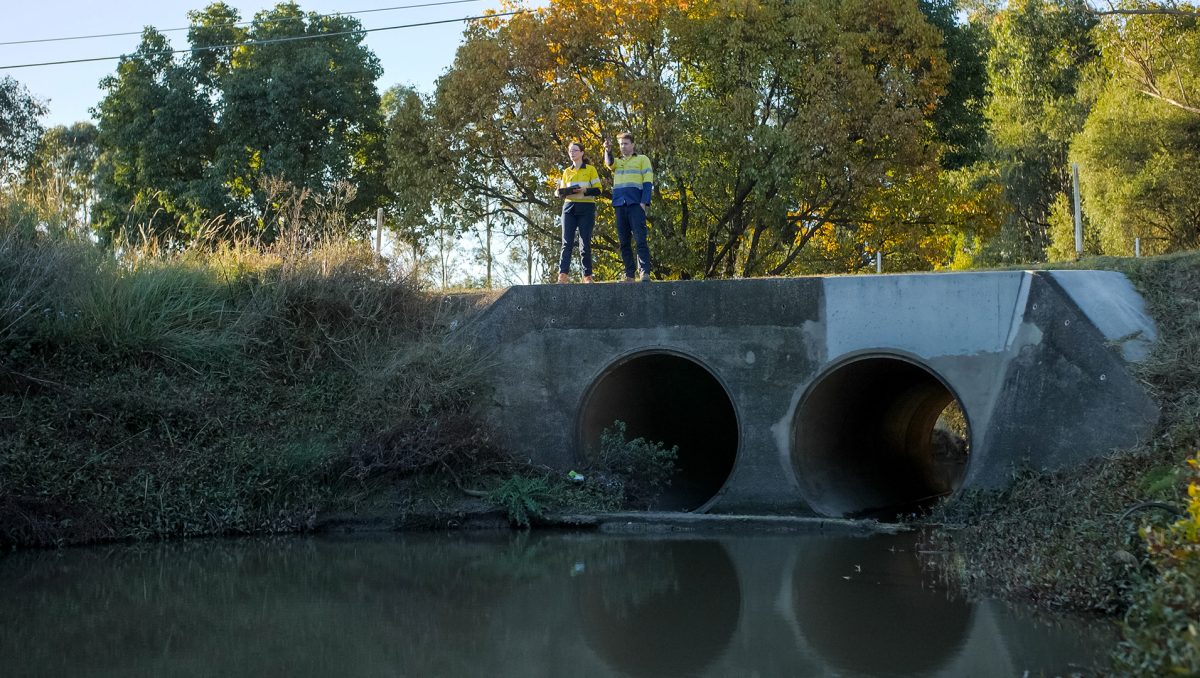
x=645, y=207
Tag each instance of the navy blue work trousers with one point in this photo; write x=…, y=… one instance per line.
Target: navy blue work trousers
x=577, y=217
x=631, y=224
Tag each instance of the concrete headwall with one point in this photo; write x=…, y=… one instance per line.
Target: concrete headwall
x=821, y=394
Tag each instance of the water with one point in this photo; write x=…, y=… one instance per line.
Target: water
x=513, y=605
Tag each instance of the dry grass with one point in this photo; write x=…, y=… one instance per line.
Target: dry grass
x=223, y=388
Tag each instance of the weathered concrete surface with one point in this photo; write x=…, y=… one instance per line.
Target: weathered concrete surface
x=1037, y=361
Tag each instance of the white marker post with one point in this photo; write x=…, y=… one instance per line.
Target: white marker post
x=1078, y=213
x=379, y=231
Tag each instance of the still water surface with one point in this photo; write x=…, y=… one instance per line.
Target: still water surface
x=514, y=605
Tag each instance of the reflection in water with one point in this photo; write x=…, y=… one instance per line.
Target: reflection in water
x=661, y=608
x=857, y=607
x=508, y=605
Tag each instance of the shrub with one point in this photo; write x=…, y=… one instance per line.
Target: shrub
x=1162, y=627
x=522, y=497
x=644, y=468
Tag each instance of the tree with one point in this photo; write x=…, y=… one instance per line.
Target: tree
x=769, y=123
x=302, y=111
x=959, y=118
x=1140, y=164
x=19, y=127
x=254, y=119
x=62, y=172
x=1041, y=51
x=156, y=141
x=1156, y=48
x=413, y=168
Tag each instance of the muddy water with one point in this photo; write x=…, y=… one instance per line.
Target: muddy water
x=514, y=605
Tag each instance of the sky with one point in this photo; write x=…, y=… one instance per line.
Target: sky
x=412, y=56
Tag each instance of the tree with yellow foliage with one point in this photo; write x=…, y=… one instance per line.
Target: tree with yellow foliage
x=772, y=125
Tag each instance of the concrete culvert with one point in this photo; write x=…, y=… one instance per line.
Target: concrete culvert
x=879, y=436
x=671, y=399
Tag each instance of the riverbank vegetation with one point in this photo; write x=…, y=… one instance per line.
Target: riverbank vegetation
x=1108, y=537
x=216, y=390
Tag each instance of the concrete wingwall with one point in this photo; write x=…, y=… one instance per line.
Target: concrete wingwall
x=822, y=394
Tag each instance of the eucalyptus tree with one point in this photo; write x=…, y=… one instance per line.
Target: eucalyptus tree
x=1040, y=56
x=63, y=171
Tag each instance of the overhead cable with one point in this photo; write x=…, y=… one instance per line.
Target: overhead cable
x=232, y=23
x=293, y=38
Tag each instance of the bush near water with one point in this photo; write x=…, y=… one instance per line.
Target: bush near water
x=243, y=388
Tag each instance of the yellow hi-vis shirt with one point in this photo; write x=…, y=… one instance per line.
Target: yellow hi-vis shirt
x=633, y=180
x=585, y=176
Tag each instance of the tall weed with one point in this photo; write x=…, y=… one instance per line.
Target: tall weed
x=229, y=387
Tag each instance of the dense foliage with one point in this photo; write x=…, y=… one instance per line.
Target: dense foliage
x=19, y=127
x=188, y=141
x=1162, y=636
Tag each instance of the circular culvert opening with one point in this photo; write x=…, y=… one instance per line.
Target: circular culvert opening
x=879, y=436
x=673, y=400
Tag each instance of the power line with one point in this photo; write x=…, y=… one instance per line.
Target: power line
x=293, y=38
x=232, y=23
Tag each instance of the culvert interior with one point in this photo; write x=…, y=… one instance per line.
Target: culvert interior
x=671, y=399
x=878, y=437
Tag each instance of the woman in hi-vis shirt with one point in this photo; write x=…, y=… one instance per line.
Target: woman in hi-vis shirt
x=579, y=186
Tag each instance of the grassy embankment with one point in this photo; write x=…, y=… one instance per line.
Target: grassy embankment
x=1077, y=539
x=233, y=389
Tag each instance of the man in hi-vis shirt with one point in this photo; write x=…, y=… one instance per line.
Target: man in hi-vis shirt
x=633, y=182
